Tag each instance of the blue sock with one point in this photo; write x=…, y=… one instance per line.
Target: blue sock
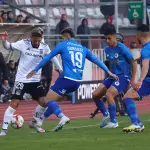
x=112, y=112
x=131, y=109
x=101, y=106
x=53, y=108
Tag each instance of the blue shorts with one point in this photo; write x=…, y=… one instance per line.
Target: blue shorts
x=64, y=86
x=121, y=85
x=144, y=89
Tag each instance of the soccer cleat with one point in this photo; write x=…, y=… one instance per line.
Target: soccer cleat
x=132, y=129
x=111, y=125
x=36, y=123
x=3, y=132
x=104, y=121
x=64, y=120
x=142, y=127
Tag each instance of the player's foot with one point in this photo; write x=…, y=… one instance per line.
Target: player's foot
x=132, y=129
x=3, y=132
x=64, y=120
x=111, y=125
x=142, y=127
x=36, y=123
x=104, y=121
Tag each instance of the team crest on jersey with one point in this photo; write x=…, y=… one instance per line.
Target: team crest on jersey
x=117, y=83
x=28, y=49
x=116, y=55
x=41, y=51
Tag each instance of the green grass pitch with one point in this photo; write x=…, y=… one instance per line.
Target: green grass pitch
x=78, y=135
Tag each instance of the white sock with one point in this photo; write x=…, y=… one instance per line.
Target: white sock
x=7, y=117
x=38, y=112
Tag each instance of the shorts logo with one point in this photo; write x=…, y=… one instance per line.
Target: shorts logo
x=63, y=91
x=19, y=85
x=116, y=55
x=117, y=83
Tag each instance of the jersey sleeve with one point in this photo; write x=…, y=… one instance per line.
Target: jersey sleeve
x=145, y=54
x=90, y=56
x=17, y=45
x=47, y=50
x=54, y=52
x=126, y=52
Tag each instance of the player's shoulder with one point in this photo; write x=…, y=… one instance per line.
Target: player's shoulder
x=121, y=45
x=146, y=48
x=107, y=48
x=44, y=45
x=26, y=41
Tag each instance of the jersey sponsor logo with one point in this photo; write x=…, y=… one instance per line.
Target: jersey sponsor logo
x=34, y=55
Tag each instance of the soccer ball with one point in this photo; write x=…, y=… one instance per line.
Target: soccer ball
x=17, y=121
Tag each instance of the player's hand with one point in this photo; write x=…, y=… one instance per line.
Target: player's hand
x=3, y=35
x=132, y=83
x=32, y=73
x=137, y=85
x=5, y=82
x=113, y=75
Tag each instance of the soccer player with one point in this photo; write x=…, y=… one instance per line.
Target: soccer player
x=121, y=61
x=73, y=57
x=142, y=87
x=32, y=51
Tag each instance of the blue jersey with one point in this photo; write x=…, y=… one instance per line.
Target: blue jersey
x=73, y=57
x=145, y=54
x=120, y=58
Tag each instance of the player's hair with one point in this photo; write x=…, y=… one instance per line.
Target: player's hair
x=110, y=30
x=120, y=38
x=68, y=30
x=38, y=32
x=144, y=30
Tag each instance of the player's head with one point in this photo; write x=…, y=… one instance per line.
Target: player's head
x=36, y=37
x=120, y=38
x=110, y=35
x=67, y=33
x=143, y=34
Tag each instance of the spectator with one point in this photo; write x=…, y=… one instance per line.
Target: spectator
x=10, y=18
x=19, y=19
x=11, y=73
x=3, y=73
x=63, y=23
x=84, y=29
x=3, y=17
x=27, y=19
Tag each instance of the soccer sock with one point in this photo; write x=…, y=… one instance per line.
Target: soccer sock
x=101, y=106
x=8, y=115
x=112, y=112
x=39, y=110
x=131, y=109
x=53, y=108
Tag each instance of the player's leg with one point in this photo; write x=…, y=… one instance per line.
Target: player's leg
x=129, y=98
x=57, y=91
x=116, y=88
x=18, y=92
x=98, y=99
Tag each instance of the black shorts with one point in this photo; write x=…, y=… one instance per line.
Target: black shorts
x=35, y=89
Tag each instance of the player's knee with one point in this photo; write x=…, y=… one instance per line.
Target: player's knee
x=95, y=96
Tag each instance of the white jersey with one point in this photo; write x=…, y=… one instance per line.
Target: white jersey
x=29, y=59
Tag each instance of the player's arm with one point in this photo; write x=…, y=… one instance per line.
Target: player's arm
x=10, y=46
x=54, y=60
x=127, y=53
x=53, y=53
x=145, y=68
x=91, y=57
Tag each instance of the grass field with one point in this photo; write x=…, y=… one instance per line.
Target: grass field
x=78, y=135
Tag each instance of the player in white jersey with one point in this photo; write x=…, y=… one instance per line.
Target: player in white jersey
x=32, y=51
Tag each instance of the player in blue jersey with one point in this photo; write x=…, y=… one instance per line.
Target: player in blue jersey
x=73, y=59
x=142, y=87
x=121, y=61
